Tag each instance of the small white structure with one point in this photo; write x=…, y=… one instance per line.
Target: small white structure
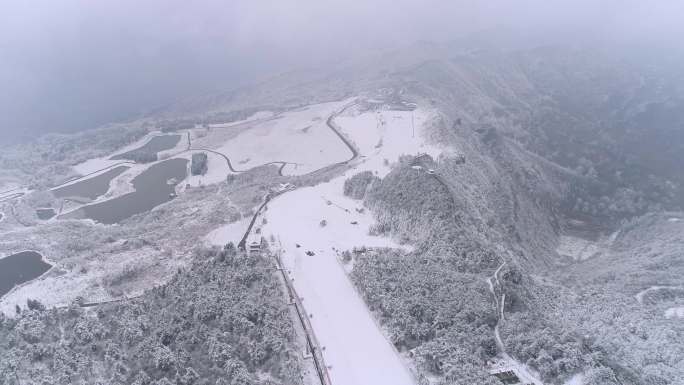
x=505, y=373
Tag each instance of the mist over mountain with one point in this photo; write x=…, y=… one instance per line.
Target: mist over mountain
x=76, y=64
x=342, y=193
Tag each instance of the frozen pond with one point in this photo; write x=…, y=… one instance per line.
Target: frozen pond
x=153, y=146
x=90, y=188
x=19, y=268
x=45, y=213
x=153, y=187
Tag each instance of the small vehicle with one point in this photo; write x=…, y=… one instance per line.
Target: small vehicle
x=431, y=171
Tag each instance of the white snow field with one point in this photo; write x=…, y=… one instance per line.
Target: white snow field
x=355, y=347
x=640, y=295
x=217, y=170
x=95, y=164
x=231, y=232
x=577, y=248
x=383, y=134
x=577, y=379
x=254, y=117
x=675, y=312
x=301, y=137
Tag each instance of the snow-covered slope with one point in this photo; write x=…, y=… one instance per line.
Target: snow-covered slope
x=355, y=348
x=300, y=137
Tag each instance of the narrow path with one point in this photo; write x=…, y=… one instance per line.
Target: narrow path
x=12, y=196
x=314, y=347
x=331, y=123
x=230, y=164
x=640, y=295
x=77, y=178
x=525, y=375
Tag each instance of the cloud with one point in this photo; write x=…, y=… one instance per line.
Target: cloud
x=74, y=64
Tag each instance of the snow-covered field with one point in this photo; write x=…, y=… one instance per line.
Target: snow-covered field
x=354, y=345
x=300, y=137
x=640, y=295
x=577, y=379
x=356, y=350
x=577, y=248
x=93, y=165
x=231, y=232
x=254, y=117
x=217, y=170
x=675, y=312
x=385, y=135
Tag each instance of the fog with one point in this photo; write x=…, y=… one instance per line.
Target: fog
x=75, y=64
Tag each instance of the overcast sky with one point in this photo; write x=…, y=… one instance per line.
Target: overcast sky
x=74, y=64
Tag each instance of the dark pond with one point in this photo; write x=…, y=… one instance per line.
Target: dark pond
x=19, y=268
x=45, y=213
x=151, y=189
x=153, y=146
x=90, y=188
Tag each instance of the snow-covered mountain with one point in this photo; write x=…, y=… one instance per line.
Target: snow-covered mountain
x=434, y=215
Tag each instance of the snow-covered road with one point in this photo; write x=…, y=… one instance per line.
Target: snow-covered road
x=356, y=351
x=311, y=226
x=526, y=375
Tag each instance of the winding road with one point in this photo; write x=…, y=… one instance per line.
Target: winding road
x=526, y=376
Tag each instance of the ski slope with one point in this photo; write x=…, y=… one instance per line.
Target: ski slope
x=355, y=349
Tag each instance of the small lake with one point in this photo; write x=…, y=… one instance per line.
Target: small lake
x=45, y=213
x=90, y=188
x=19, y=268
x=152, y=188
x=153, y=146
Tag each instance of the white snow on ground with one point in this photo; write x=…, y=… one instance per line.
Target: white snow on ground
x=92, y=165
x=256, y=116
x=675, y=312
x=577, y=379
x=380, y=135
x=524, y=373
x=640, y=295
x=50, y=290
x=300, y=136
x=8, y=186
x=217, y=170
x=231, y=232
x=355, y=347
x=100, y=172
x=577, y=248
